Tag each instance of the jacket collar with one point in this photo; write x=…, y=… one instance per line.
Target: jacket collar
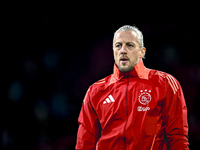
x=139, y=70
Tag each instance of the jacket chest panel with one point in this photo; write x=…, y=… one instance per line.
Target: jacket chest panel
x=143, y=97
x=131, y=97
x=111, y=103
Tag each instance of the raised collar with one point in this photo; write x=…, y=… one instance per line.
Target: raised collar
x=139, y=70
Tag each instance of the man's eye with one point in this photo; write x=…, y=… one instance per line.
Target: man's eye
x=118, y=45
x=130, y=45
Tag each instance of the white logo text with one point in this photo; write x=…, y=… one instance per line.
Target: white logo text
x=140, y=108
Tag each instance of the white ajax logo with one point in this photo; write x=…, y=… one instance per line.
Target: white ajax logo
x=144, y=97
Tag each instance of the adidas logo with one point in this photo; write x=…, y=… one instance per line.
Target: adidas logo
x=109, y=99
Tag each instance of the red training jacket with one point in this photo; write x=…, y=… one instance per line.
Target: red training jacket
x=141, y=110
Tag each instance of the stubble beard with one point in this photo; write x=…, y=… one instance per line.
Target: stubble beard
x=127, y=67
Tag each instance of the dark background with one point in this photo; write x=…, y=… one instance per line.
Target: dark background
x=53, y=51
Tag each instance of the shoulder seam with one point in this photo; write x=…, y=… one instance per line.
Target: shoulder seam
x=100, y=81
x=160, y=73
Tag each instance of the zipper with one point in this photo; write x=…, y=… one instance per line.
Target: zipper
x=126, y=112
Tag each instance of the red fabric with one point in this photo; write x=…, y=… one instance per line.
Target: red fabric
x=147, y=112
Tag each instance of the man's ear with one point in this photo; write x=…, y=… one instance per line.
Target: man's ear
x=143, y=51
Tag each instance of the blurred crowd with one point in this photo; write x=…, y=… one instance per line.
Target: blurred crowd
x=50, y=63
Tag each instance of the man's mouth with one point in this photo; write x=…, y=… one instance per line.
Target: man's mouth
x=124, y=60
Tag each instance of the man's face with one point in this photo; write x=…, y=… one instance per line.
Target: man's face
x=127, y=51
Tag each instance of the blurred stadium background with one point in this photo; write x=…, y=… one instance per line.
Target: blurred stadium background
x=53, y=51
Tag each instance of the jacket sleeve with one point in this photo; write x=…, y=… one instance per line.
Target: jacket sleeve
x=88, y=131
x=174, y=115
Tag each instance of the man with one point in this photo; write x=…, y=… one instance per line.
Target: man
x=135, y=108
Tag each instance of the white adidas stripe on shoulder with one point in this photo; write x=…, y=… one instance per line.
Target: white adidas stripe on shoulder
x=172, y=83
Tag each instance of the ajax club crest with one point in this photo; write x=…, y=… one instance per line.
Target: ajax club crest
x=144, y=97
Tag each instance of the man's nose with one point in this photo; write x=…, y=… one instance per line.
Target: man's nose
x=123, y=49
